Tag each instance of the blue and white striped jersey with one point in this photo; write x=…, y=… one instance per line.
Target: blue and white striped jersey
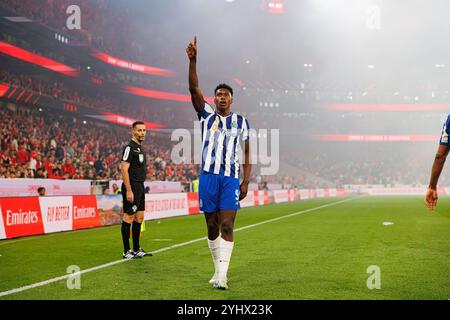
x=221, y=141
x=445, y=132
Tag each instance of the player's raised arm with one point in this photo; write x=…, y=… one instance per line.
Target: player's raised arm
x=439, y=161
x=196, y=94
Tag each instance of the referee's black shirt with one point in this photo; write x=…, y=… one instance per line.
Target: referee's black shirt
x=135, y=155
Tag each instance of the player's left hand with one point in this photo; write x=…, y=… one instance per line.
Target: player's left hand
x=244, y=190
x=431, y=198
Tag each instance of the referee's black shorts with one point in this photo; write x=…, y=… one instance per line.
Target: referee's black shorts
x=139, y=198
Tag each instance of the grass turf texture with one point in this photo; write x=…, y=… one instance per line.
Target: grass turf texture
x=322, y=254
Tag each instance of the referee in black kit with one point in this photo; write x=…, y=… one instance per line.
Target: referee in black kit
x=134, y=172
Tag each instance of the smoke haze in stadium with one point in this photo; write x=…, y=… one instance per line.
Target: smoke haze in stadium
x=306, y=71
x=389, y=53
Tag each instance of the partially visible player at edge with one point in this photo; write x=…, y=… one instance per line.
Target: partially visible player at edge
x=441, y=155
x=134, y=173
x=219, y=188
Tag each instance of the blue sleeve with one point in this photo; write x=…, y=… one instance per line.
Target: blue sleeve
x=202, y=115
x=444, y=135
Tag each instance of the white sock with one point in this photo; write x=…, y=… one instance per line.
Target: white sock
x=214, y=248
x=225, y=250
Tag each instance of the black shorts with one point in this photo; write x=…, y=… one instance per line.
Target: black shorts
x=139, y=198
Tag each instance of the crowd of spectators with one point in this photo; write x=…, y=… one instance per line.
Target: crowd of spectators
x=45, y=144
x=30, y=152
x=49, y=145
x=98, y=100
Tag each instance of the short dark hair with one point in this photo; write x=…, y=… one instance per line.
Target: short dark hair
x=40, y=189
x=137, y=123
x=223, y=86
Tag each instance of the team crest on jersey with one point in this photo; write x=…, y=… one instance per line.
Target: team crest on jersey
x=234, y=124
x=134, y=208
x=141, y=158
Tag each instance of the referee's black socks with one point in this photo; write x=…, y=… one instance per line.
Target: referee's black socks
x=126, y=236
x=136, y=234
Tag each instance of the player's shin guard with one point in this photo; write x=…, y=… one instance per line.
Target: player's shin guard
x=214, y=248
x=126, y=236
x=136, y=234
x=225, y=250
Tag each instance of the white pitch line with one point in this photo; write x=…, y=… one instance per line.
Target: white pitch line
x=46, y=282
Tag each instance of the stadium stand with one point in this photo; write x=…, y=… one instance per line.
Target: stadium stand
x=46, y=144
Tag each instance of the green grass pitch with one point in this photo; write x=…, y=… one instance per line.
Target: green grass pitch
x=320, y=254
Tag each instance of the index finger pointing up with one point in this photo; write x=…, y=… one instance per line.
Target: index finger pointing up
x=195, y=41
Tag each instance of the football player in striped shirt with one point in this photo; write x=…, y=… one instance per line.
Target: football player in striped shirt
x=220, y=190
x=431, y=196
